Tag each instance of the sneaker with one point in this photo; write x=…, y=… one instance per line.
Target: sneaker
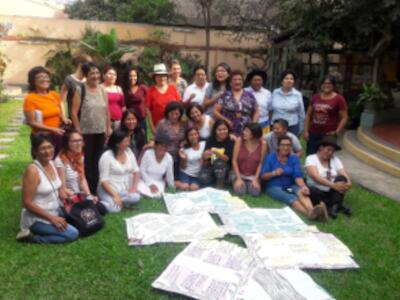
x=24, y=235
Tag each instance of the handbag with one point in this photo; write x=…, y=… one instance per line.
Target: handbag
x=82, y=213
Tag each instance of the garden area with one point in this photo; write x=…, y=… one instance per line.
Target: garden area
x=103, y=266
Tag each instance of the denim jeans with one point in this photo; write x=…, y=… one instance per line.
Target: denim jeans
x=128, y=200
x=47, y=234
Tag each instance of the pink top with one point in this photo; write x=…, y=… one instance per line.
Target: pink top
x=116, y=103
x=248, y=161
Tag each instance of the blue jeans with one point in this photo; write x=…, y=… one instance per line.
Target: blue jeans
x=295, y=129
x=185, y=178
x=47, y=234
x=277, y=193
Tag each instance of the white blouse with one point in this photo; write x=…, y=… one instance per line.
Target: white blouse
x=119, y=175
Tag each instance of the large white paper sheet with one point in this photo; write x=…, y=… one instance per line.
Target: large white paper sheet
x=150, y=228
x=204, y=200
x=308, y=250
x=260, y=220
x=216, y=270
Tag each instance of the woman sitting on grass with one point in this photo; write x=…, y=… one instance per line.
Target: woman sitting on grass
x=190, y=161
x=217, y=156
x=71, y=169
x=41, y=219
x=285, y=183
x=326, y=177
x=137, y=134
x=247, y=160
x=119, y=174
x=156, y=168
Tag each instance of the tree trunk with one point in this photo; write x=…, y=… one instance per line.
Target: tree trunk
x=208, y=29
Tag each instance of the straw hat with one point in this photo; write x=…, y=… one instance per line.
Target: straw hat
x=159, y=69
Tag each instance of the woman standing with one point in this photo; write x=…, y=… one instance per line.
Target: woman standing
x=326, y=177
x=248, y=155
x=219, y=85
x=237, y=106
x=119, y=174
x=326, y=115
x=173, y=127
x=137, y=135
x=43, y=108
x=74, y=81
x=199, y=120
x=41, y=221
x=285, y=183
x=159, y=96
x=195, y=92
x=287, y=103
x=135, y=95
x=217, y=156
x=91, y=117
x=190, y=159
x=175, y=72
x=116, y=101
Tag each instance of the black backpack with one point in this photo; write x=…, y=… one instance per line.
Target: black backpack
x=85, y=217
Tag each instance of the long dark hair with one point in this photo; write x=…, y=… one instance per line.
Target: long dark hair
x=116, y=137
x=138, y=133
x=126, y=83
x=219, y=122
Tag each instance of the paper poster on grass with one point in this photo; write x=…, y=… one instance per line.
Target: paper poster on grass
x=151, y=228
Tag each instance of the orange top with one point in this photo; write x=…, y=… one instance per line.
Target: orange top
x=49, y=105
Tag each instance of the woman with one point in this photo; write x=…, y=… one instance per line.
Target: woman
x=41, y=220
x=247, y=159
x=326, y=115
x=219, y=85
x=135, y=94
x=156, y=169
x=116, y=101
x=237, y=106
x=91, y=117
x=257, y=79
x=70, y=167
x=173, y=126
x=175, y=72
x=159, y=96
x=287, y=103
x=43, y=108
x=326, y=177
x=190, y=159
x=217, y=155
x=285, y=183
x=137, y=136
x=119, y=174
x=195, y=92
x=74, y=81
x=199, y=120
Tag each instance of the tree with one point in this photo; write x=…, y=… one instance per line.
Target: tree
x=205, y=8
x=141, y=11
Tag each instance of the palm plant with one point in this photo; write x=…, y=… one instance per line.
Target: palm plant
x=371, y=97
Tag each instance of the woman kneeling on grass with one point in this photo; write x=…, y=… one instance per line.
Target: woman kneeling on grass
x=119, y=174
x=190, y=159
x=285, y=182
x=248, y=155
x=41, y=220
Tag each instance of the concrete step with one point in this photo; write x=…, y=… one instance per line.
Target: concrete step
x=373, y=142
x=369, y=156
x=369, y=177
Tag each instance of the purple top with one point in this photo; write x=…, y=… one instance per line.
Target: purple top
x=239, y=112
x=137, y=101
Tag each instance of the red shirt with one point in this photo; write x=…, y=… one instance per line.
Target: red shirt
x=156, y=102
x=325, y=116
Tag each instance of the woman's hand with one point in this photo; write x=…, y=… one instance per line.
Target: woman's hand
x=153, y=188
x=304, y=190
x=239, y=183
x=341, y=187
x=67, y=121
x=306, y=135
x=58, y=131
x=117, y=201
x=278, y=172
x=207, y=154
x=59, y=223
x=182, y=154
x=256, y=184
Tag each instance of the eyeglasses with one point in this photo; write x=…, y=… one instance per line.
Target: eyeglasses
x=42, y=77
x=76, y=142
x=285, y=145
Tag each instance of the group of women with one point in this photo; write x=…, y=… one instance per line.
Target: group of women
x=205, y=134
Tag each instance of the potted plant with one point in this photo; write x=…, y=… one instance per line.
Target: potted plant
x=371, y=98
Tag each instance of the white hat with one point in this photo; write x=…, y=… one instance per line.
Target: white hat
x=159, y=69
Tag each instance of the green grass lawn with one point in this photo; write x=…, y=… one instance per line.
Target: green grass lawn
x=104, y=267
